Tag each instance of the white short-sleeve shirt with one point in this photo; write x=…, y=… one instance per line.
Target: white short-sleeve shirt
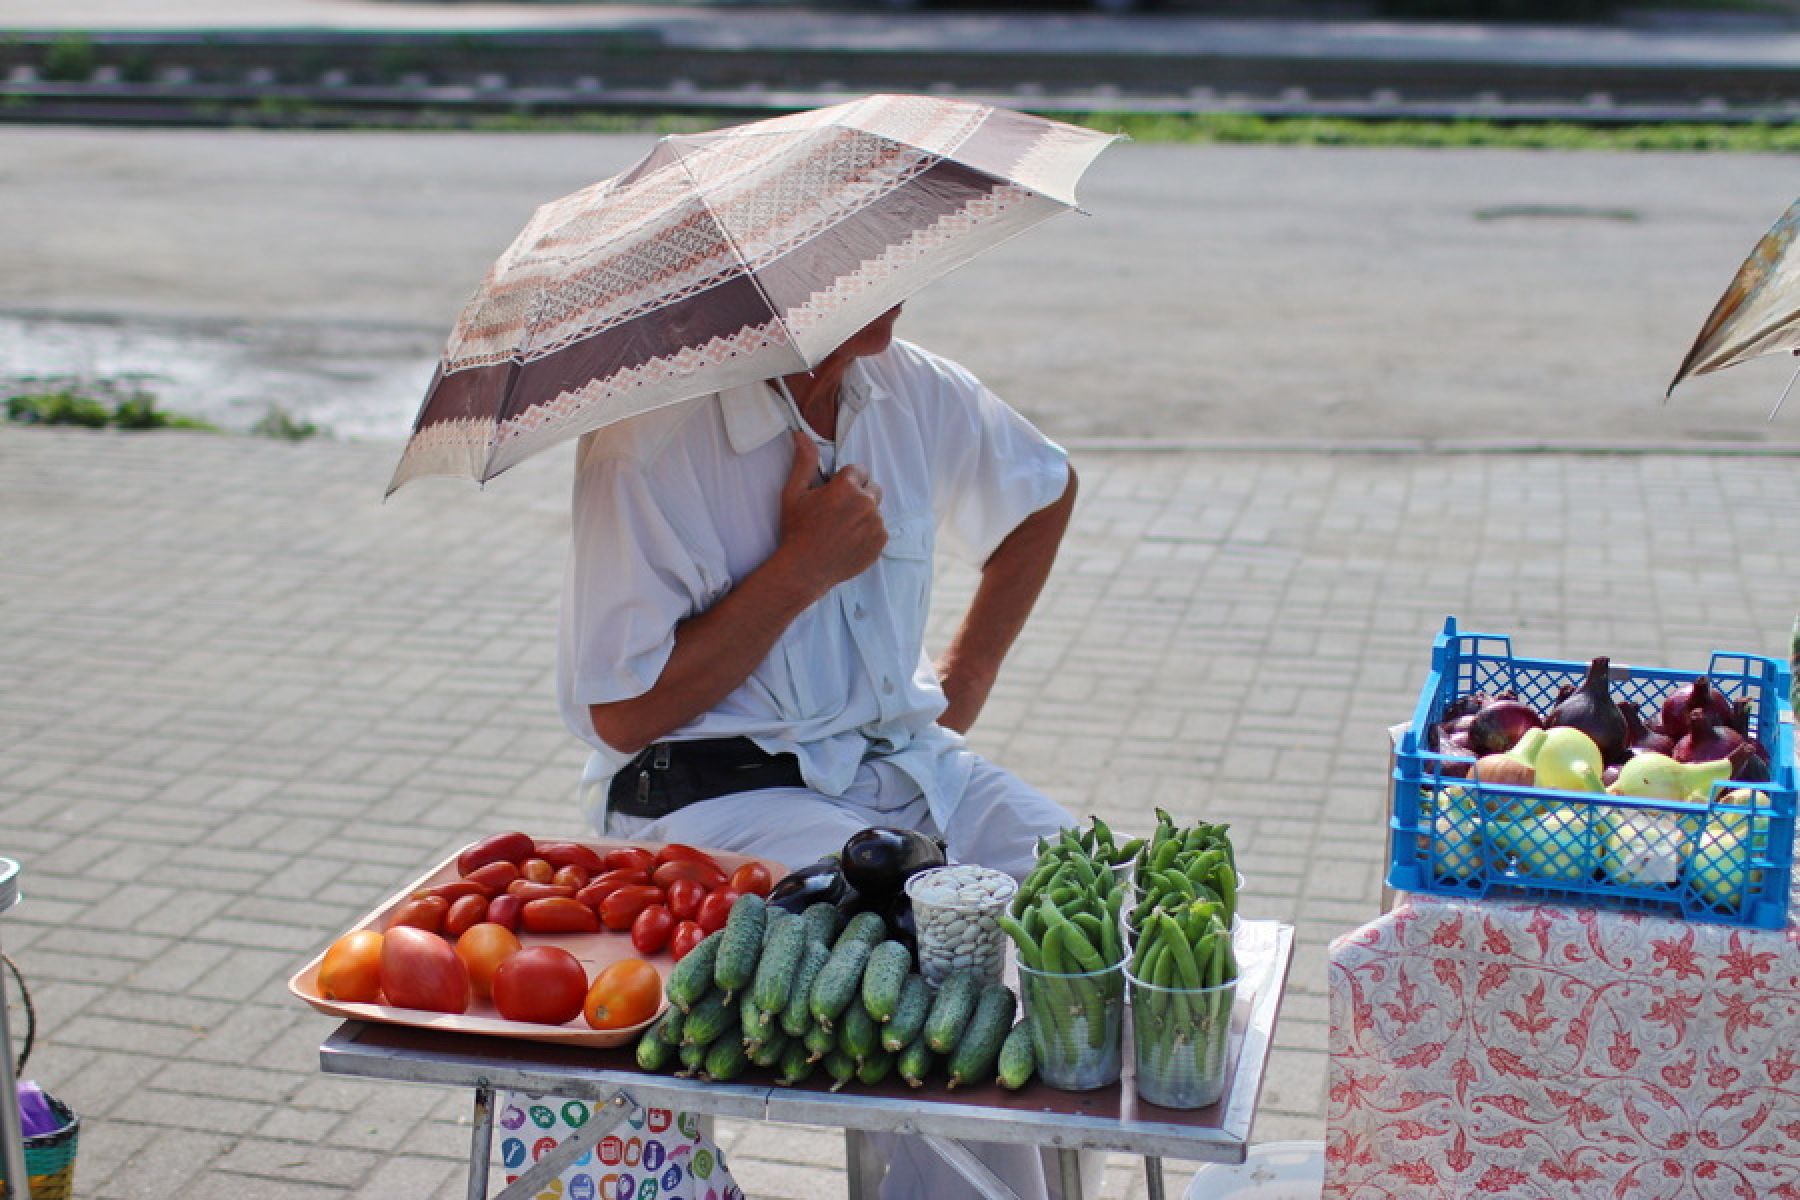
x=673, y=507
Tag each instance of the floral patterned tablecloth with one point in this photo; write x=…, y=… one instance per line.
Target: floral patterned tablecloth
x=1522, y=1050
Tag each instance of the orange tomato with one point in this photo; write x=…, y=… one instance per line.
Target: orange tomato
x=482, y=949
x=752, y=877
x=625, y=994
x=351, y=970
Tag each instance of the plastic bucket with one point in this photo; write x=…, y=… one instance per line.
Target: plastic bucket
x=1271, y=1171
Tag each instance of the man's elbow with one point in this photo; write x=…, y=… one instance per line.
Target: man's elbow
x=617, y=727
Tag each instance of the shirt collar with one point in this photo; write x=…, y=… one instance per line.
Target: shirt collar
x=755, y=413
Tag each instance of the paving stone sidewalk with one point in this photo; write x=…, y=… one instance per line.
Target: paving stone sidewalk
x=241, y=700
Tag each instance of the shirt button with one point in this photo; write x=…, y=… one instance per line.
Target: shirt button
x=859, y=612
x=887, y=687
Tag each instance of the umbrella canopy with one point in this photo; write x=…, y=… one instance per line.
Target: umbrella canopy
x=727, y=257
x=1759, y=312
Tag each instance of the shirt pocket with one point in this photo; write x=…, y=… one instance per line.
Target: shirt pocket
x=906, y=577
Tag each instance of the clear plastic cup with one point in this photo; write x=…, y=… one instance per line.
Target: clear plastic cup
x=1077, y=1025
x=957, y=923
x=1181, y=1041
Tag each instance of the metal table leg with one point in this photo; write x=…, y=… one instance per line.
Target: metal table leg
x=1068, y=1161
x=481, y=1142
x=12, y=1133
x=1153, y=1176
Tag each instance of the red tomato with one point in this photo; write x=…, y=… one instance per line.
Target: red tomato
x=716, y=908
x=452, y=891
x=571, y=876
x=621, y=908
x=752, y=877
x=569, y=854
x=493, y=878
x=504, y=911
x=425, y=912
x=688, y=934
x=525, y=889
x=464, y=913
x=502, y=847
x=545, y=984
x=625, y=994
x=675, y=850
x=558, y=914
x=605, y=885
x=684, y=898
x=652, y=928
x=351, y=970
x=420, y=970
x=686, y=868
x=536, y=870
x=628, y=856
x=482, y=949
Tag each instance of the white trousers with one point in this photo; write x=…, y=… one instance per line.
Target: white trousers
x=997, y=824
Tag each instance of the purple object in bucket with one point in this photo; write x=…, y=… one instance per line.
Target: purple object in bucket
x=36, y=1117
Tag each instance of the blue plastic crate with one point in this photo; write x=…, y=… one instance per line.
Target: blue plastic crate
x=1728, y=859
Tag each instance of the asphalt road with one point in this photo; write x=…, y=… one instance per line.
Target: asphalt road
x=1214, y=294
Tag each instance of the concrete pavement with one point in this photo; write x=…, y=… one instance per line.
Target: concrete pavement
x=242, y=700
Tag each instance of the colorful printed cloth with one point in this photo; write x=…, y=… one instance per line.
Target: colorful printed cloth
x=1520, y=1050
x=656, y=1155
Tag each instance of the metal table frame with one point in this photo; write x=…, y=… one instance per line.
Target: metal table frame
x=12, y=1135
x=944, y=1119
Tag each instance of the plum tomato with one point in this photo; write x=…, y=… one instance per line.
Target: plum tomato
x=542, y=984
x=351, y=969
x=504, y=911
x=453, y=891
x=605, y=885
x=493, y=878
x=420, y=970
x=482, y=949
x=628, y=856
x=752, y=877
x=571, y=876
x=685, y=868
x=525, y=889
x=674, y=851
x=558, y=914
x=688, y=934
x=466, y=912
x=570, y=854
x=652, y=928
x=625, y=994
x=621, y=908
x=421, y=912
x=684, y=898
x=502, y=847
x=537, y=870
x=716, y=908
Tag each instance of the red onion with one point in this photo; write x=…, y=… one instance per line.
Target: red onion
x=1750, y=762
x=1592, y=710
x=1708, y=738
x=1498, y=727
x=1699, y=694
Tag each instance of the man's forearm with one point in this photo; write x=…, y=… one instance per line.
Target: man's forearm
x=715, y=651
x=1011, y=580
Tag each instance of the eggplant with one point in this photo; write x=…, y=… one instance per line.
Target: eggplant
x=898, y=913
x=878, y=861
x=821, y=883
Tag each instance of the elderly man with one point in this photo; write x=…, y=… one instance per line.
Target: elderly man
x=742, y=638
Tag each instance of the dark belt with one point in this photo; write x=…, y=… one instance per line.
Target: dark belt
x=668, y=776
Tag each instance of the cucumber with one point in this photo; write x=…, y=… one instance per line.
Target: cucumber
x=742, y=943
x=653, y=1053
x=950, y=1011
x=883, y=978
x=909, y=1014
x=694, y=974
x=875, y=1068
x=819, y=1041
x=915, y=1063
x=725, y=1060
x=863, y=927
x=823, y=922
x=840, y=1067
x=796, y=1064
x=1017, y=1057
x=772, y=919
x=756, y=1024
x=768, y=1052
x=840, y=978
x=797, y=1014
x=780, y=957
x=693, y=1056
x=980, y=1045
x=669, y=1028
x=707, y=1019
x=858, y=1034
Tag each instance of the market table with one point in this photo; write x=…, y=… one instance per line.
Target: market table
x=1525, y=1049
x=1109, y=1119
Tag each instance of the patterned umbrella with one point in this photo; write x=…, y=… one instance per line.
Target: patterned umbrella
x=1759, y=312
x=727, y=257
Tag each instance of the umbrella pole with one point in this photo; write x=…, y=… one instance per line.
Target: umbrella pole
x=1772, y=411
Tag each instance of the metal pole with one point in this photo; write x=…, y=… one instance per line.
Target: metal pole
x=481, y=1142
x=1153, y=1176
x=1068, y=1159
x=12, y=1135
